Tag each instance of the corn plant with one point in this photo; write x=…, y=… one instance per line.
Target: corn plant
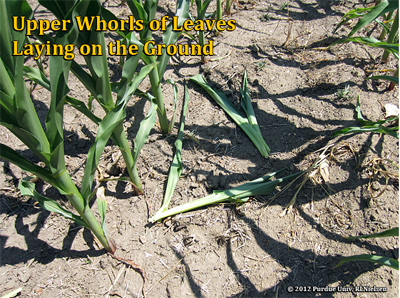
x=384, y=9
x=19, y=116
x=97, y=81
x=249, y=124
x=390, y=262
x=370, y=126
x=146, y=11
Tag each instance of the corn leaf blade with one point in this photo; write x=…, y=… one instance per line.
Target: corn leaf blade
x=144, y=130
x=170, y=37
x=387, y=233
x=246, y=104
x=392, y=263
x=231, y=110
x=373, y=42
x=386, y=78
x=13, y=293
x=176, y=166
x=27, y=188
x=175, y=89
x=374, y=13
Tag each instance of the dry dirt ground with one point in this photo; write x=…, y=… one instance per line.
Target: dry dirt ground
x=227, y=250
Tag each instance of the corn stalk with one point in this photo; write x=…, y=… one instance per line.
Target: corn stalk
x=146, y=11
x=97, y=81
x=19, y=116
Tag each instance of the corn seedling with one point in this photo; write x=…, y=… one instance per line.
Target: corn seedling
x=344, y=93
x=239, y=194
x=176, y=166
x=390, y=262
x=370, y=126
x=19, y=116
x=146, y=11
x=366, y=16
x=249, y=124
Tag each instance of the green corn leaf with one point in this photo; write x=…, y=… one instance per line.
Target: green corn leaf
x=98, y=64
x=144, y=130
x=59, y=73
x=246, y=104
x=260, y=186
x=138, y=11
x=386, y=78
x=230, y=109
x=172, y=122
x=87, y=80
x=36, y=76
x=373, y=42
x=367, y=15
x=359, y=117
x=392, y=263
x=17, y=111
x=13, y=293
x=27, y=117
x=27, y=188
x=39, y=77
x=387, y=233
x=374, y=13
x=379, y=129
x=368, y=126
x=170, y=37
x=102, y=206
x=130, y=66
x=393, y=38
x=8, y=9
x=203, y=8
x=8, y=154
x=81, y=106
x=176, y=166
x=354, y=13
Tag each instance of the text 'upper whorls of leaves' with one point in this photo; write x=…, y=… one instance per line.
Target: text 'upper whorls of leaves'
x=117, y=48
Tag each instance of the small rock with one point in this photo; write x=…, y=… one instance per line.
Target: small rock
x=142, y=239
x=23, y=275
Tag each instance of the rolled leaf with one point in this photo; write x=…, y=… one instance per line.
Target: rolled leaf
x=253, y=133
x=176, y=166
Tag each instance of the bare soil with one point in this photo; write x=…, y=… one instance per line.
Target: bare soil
x=251, y=250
